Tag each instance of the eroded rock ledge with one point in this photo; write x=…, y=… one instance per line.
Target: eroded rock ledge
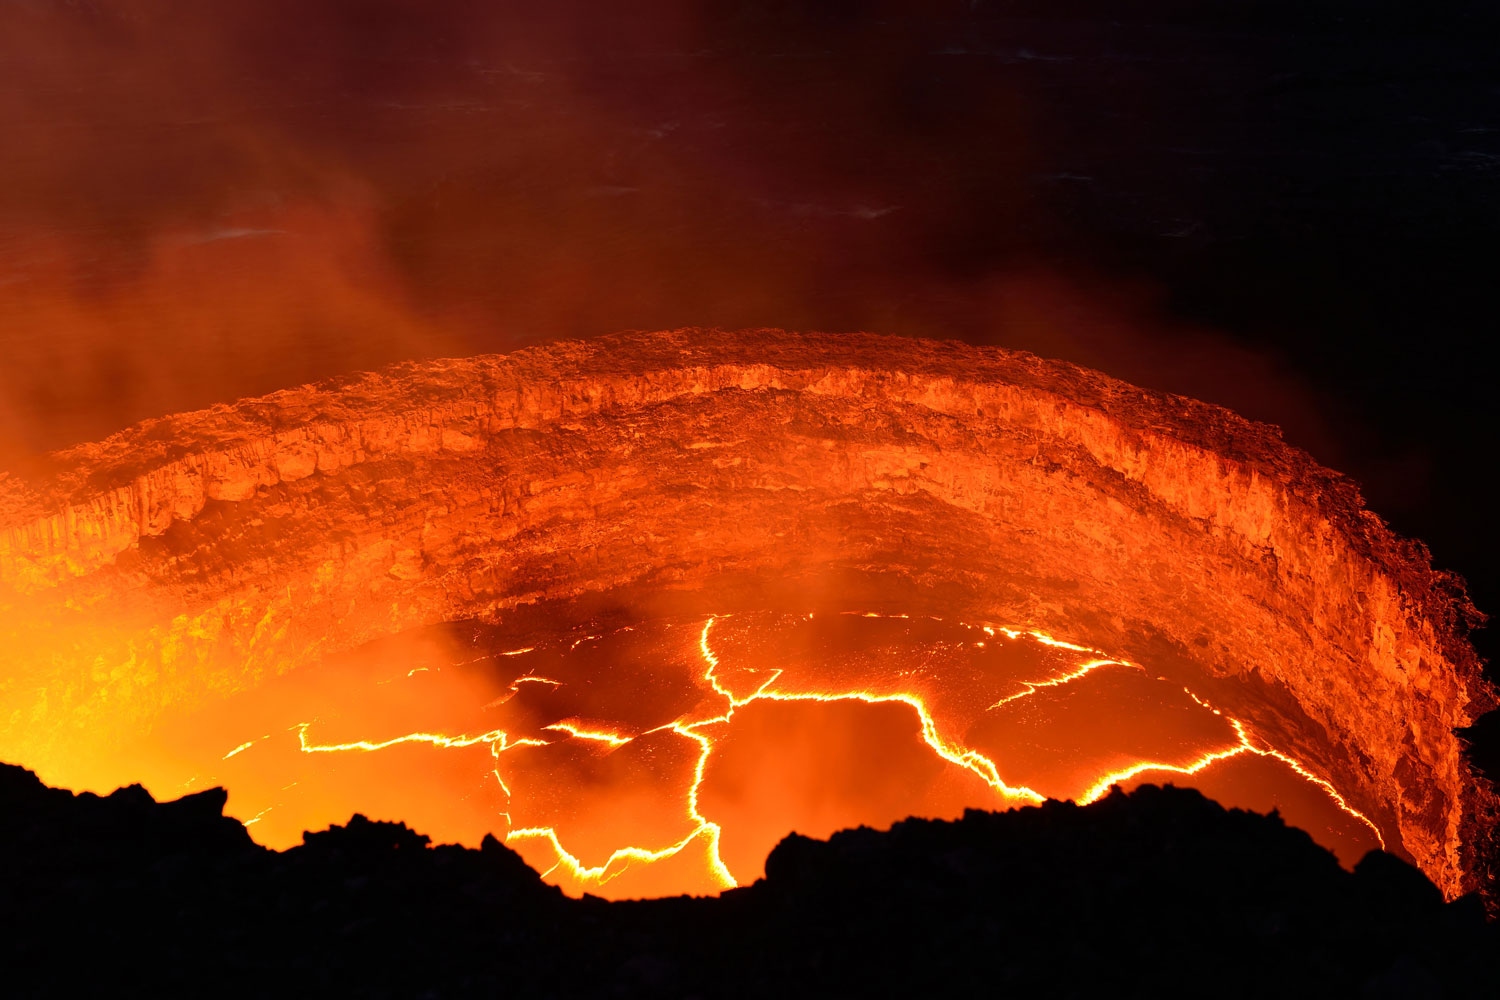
x=197, y=553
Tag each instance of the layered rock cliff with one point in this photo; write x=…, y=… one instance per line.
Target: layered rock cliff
x=199, y=553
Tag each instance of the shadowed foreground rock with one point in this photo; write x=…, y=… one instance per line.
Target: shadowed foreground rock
x=1157, y=892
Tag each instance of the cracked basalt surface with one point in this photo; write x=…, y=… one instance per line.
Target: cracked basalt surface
x=198, y=553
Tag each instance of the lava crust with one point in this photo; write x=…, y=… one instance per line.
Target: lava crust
x=198, y=553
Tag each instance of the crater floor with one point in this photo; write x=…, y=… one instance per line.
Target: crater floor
x=671, y=755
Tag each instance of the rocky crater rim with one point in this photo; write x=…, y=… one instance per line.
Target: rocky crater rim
x=78, y=478
x=1139, y=521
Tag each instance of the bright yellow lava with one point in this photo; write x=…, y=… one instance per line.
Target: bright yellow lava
x=707, y=833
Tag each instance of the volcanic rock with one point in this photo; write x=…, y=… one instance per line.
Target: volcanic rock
x=1159, y=892
x=198, y=553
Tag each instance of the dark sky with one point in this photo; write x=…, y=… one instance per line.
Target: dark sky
x=1286, y=208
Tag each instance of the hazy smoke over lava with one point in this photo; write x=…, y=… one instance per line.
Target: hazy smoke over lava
x=205, y=202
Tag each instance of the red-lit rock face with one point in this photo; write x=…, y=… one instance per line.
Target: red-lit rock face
x=200, y=553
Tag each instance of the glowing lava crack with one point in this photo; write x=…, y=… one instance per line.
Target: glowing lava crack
x=707, y=833
x=192, y=561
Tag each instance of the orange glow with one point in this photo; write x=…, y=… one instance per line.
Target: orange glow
x=1103, y=785
x=613, y=739
x=339, y=597
x=968, y=759
x=671, y=755
x=785, y=722
x=435, y=739
x=1033, y=686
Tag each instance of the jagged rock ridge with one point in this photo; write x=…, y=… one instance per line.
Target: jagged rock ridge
x=1160, y=891
x=196, y=553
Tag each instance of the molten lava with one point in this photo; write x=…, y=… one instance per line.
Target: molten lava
x=686, y=750
x=601, y=598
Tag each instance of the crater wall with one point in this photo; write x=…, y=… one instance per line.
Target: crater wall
x=197, y=554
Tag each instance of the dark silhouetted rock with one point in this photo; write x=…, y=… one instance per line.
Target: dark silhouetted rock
x=1159, y=892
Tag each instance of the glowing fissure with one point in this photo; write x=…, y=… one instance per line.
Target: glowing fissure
x=625, y=856
x=1103, y=785
x=707, y=833
x=244, y=746
x=436, y=739
x=577, y=732
x=1032, y=687
x=967, y=759
x=515, y=685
